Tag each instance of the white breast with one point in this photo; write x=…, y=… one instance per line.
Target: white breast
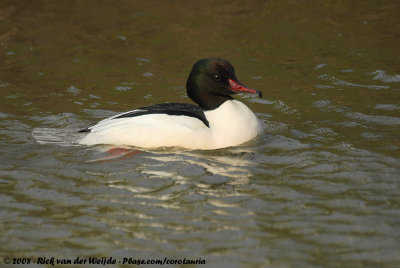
x=230, y=124
x=233, y=123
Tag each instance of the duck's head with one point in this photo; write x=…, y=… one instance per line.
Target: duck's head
x=212, y=81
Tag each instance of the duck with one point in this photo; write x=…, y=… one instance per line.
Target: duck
x=217, y=121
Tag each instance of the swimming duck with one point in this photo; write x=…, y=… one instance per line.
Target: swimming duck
x=217, y=121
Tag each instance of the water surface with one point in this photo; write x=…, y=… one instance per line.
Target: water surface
x=319, y=188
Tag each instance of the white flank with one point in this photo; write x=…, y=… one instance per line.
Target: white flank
x=231, y=124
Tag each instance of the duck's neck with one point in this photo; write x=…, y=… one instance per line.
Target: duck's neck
x=208, y=103
x=205, y=100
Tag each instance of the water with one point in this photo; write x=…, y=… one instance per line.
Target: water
x=319, y=188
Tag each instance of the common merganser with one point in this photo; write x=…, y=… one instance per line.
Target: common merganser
x=218, y=121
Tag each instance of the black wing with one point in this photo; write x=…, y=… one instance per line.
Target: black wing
x=184, y=109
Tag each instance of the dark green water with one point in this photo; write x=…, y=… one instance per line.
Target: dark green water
x=320, y=188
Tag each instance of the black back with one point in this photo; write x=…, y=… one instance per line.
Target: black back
x=184, y=109
x=178, y=109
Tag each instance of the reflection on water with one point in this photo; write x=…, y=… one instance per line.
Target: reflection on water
x=318, y=188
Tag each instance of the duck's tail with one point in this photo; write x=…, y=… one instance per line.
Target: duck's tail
x=56, y=136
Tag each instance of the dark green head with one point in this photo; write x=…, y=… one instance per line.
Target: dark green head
x=212, y=81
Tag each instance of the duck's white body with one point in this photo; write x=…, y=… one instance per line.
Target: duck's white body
x=232, y=123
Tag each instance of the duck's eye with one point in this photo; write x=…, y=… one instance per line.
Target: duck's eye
x=217, y=77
